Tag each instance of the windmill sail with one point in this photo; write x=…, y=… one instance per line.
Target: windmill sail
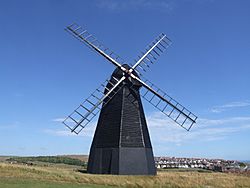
x=86, y=111
x=166, y=104
x=153, y=51
x=156, y=97
x=88, y=39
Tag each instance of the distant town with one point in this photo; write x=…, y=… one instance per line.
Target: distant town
x=161, y=163
x=219, y=165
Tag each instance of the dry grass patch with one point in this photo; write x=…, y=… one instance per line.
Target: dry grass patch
x=163, y=179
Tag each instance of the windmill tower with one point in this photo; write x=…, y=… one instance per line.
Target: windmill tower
x=121, y=143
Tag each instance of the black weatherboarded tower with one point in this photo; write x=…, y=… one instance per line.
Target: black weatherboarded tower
x=121, y=143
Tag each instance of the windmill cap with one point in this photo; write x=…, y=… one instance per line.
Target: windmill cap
x=118, y=73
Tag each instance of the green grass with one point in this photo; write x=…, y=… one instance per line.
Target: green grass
x=49, y=176
x=185, y=170
x=29, y=183
x=17, y=175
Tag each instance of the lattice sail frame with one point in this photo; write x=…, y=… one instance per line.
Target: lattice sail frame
x=86, y=111
x=170, y=107
x=93, y=43
x=82, y=115
x=151, y=53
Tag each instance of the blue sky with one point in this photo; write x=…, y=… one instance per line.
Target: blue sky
x=45, y=73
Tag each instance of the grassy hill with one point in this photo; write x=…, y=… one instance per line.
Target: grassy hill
x=58, y=175
x=83, y=158
x=48, y=159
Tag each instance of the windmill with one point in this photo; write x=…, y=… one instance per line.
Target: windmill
x=121, y=143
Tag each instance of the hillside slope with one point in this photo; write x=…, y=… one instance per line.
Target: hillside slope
x=16, y=175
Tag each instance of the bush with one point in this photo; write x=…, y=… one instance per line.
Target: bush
x=242, y=165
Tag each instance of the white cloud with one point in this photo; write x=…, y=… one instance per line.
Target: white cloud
x=18, y=94
x=209, y=122
x=58, y=119
x=11, y=126
x=88, y=131
x=164, y=130
x=22, y=148
x=228, y=106
x=58, y=132
x=162, y=5
x=135, y=4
